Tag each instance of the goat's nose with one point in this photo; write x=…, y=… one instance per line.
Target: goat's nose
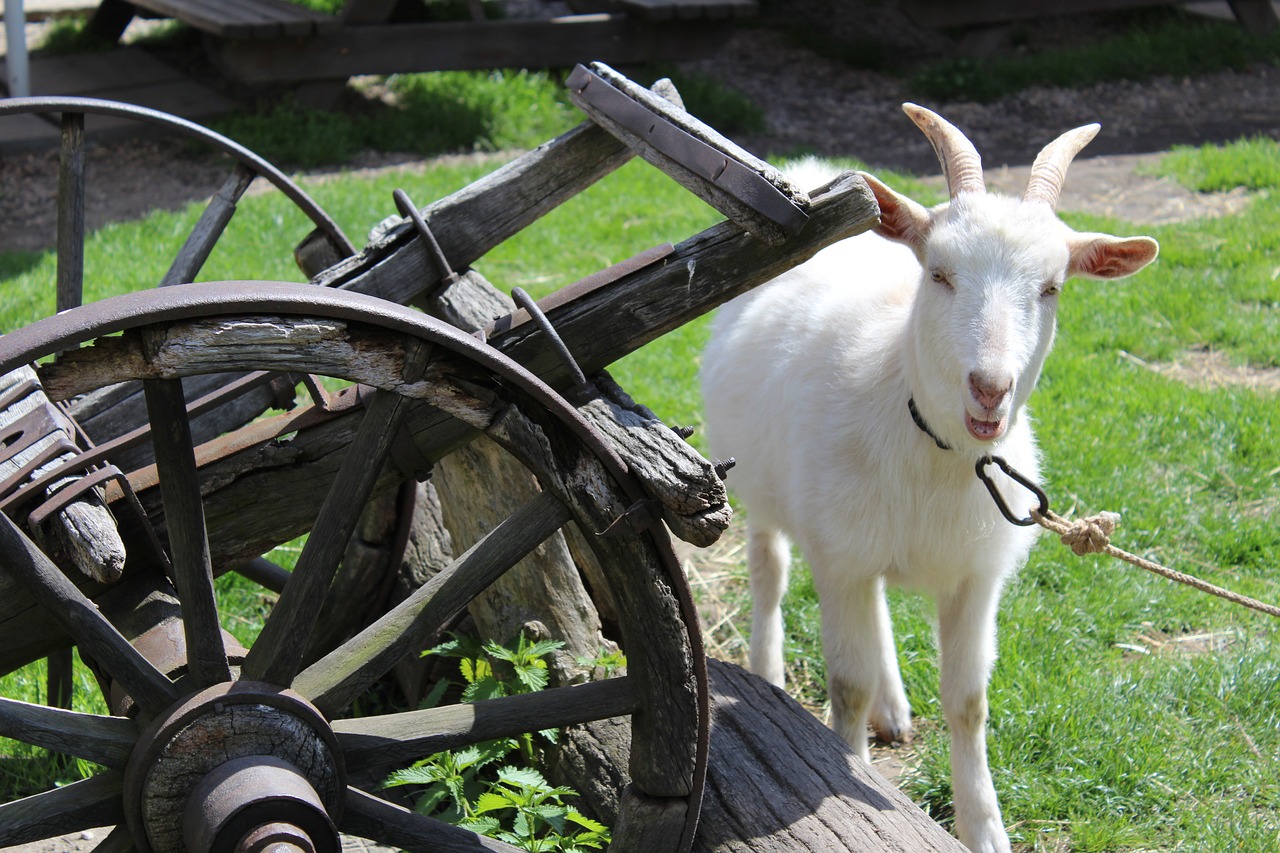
x=989, y=391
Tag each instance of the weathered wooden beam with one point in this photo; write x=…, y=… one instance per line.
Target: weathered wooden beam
x=779, y=781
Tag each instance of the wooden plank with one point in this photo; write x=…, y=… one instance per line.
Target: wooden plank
x=517, y=43
x=126, y=74
x=722, y=261
x=24, y=132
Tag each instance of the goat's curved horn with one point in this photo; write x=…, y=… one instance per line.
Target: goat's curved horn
x=1050, y=168
x=961, y=164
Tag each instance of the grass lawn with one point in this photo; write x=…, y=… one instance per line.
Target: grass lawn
x=1127, y=713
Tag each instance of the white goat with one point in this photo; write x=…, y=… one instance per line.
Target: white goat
x=812, y=383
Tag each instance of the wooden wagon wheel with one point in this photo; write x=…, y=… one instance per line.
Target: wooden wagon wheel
x=213, y=222
x=225, y=749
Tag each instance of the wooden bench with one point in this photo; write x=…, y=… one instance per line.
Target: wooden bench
x=274, y=41
x=237, y=19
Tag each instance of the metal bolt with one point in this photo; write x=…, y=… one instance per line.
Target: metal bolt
x=722, y=467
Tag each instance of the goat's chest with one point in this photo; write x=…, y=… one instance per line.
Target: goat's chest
x=920, y=526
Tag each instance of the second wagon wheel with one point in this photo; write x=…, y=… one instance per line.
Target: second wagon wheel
x=228, y=749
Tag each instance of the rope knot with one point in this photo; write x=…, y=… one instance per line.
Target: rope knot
x=1090, y=535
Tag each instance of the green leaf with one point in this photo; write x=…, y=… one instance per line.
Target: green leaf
x=523, y=777
x=533, y=679
x=585, y=822
x=416, y=775
x=495, y=799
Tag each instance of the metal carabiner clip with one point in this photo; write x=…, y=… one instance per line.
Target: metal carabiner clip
x=1017, y=477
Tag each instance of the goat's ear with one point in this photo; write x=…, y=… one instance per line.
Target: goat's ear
x=901, y=219
x=1104, y=256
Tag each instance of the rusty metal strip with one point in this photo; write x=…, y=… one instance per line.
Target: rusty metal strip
x=14, y=489
x=744, y=184
x=17, y=392
x=74, y=490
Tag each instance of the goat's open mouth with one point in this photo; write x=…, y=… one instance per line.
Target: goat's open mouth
x=985, y=430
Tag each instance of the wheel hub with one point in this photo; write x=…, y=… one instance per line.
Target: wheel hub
x=236, y=768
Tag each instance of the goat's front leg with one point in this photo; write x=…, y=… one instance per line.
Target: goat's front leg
x=967, y=640
x=862, y=668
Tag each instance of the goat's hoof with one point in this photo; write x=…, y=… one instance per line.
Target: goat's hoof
x=891, y=722
x=893, y=734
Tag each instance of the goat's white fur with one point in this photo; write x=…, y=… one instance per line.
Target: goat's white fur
x=806, y=382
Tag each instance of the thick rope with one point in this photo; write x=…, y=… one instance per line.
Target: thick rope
x=1092, y=535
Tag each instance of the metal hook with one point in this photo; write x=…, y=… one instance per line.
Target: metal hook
x=409, y=210
x=1017, y=477
x=525, y=301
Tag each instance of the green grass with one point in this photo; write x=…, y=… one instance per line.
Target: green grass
x=1094, y=746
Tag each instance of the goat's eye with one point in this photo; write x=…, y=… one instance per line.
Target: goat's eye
x=1051, y=289
x=940, y=277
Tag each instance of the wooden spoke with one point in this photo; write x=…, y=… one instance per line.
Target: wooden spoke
x=97, y=638
x=334, y=680
x=376, y=819
x=70, y=274
x=82, y=805
x=276, y=655
x=191, y=257
x=184, y=520
x=104, y=740
x=406, y=737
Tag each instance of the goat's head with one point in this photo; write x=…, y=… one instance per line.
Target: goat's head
x=993, y=268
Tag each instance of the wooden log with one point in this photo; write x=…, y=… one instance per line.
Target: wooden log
x=689, y=495
x=779, y=781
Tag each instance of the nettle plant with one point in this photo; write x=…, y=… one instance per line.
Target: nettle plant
x=495, y=788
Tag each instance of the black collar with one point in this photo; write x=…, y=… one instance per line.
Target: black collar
x=924, y=427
